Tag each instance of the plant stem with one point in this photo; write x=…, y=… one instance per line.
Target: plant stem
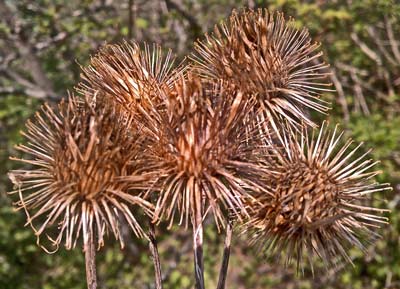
x=198, y=249
x=90, y=262
x=225, y=257
x=155, y=256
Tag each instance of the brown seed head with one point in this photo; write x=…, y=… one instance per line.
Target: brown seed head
x=201, y=151
x=128, y=74
x=261, y=54
x=82, y=165
x=317, y=200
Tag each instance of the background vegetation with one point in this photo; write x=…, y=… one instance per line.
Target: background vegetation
x=41, y=44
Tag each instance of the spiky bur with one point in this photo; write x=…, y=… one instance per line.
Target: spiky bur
x=262, y=55
x=319, y=201
x=128, y=74
x=80, y=167
x=200, y=151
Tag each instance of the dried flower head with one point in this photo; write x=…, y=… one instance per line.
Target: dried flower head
x=261, y=54
x=201, y=151
x=128, y=74
x=82, y=164
x=318, y=204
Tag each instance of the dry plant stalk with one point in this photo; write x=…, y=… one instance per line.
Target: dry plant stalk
x=82, y=166
x=133, y=79
x=319, y=200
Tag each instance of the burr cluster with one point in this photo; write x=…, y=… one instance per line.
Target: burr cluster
x=226, y=135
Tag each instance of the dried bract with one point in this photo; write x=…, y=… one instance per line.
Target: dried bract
x=319, y=201
x=263, y=55
x=81, y=165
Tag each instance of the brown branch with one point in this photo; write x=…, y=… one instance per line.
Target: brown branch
x=7, y=60
x=10, y=90
x=364, y=47
x=131, y=18
x=394, y=45
x=33, y=65
x=193, y=22
x=375, y=37
x=349, y=68
x=60, y=37
x=396, y=82
x=25, y=51
x=27, y=88
x=368, y=86
x=386, y=77
x=14, y=76
x=251, y=4
x=35, y=93
x=342, y=96
x=358, y=92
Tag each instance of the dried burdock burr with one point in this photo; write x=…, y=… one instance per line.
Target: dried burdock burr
x=81, y=167
x=129, y=74
x=319, y=201
x=263, y=55
x=132, y=78
x=201, y=153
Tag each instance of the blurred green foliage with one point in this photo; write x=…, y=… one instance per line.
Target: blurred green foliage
x=356, y=40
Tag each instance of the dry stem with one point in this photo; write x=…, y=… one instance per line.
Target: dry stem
x=90, y=261
x=155, y=255
x=225, y=257
x=198, y=249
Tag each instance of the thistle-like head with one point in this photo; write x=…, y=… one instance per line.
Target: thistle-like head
x=318, y=201
x=201, y=149
x=129, y=74
x=263, y=55
x=80, y=167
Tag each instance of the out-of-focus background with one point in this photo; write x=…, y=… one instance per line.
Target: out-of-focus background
x=41, y=44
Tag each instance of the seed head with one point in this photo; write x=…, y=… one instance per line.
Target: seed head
x=128, y=74
x=81, y=159
x=318, y=200
x=201, y=151
x=263, y=55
